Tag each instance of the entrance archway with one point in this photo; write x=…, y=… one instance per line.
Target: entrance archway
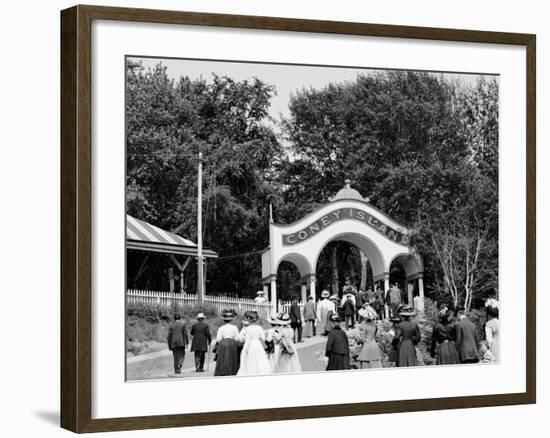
x=347, y=217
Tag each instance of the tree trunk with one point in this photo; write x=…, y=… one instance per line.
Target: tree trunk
x=334, y=268
x=364, y=261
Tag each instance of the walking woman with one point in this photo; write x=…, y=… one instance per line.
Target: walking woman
x=254, y=360
x=287, y=360
x=408, y=335
x=325, y=306
x=337, y=349
x=272, y=340
x=227, y=353
x=443, y=347
x=491, y=331
x=370, y=355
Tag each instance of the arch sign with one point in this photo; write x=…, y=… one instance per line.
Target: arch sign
x=345, y=214
x=347, y=217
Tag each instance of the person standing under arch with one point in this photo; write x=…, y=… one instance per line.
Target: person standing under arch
x=325, y=306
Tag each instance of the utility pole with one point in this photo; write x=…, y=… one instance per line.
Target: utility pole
x=200, y=268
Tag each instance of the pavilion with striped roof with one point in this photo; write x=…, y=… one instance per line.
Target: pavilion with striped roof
x=143, y=237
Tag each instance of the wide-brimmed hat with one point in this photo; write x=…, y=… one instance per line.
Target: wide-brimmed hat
x=368, y=314
x=200, y=315
x=325, y=294
x=335, y=318
x=260, y=292
x=227, y=315
x=251, y=315
x=333, y=297
x=273, y=319
x=283, y=318
x=407, y=311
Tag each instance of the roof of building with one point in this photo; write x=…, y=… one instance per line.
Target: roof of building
x=143, y=236
x=348, y=193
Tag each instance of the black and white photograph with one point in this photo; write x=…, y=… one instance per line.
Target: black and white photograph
x=287, y=218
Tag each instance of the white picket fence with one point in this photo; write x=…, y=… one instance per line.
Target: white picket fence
x=284, y=306
x=221, y=303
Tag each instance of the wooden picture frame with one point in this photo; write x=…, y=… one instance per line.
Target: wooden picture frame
x=76, y=217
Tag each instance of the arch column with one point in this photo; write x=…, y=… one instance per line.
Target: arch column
x=312, y=292
x=304, y=292
x=421, y=293
x=270, y=284
x=273, y=295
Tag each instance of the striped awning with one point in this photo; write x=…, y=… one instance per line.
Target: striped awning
x=143, y=236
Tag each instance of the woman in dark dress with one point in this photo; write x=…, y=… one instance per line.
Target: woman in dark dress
x=443, y=346
x=227, y=352
x=408, y=334
x=337, y=349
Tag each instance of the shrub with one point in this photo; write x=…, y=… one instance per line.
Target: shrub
x=147, y=324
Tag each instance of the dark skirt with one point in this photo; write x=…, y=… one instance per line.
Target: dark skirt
x=446, y=354
x=227, y=358
x=407, y=354
x=338, y=362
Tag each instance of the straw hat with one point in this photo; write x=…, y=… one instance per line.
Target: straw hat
x=333, y=297
x=260, y=292
x=201, y=316
x=335, y=318
x=283, y=318
x=325, y=294
x=273, y=319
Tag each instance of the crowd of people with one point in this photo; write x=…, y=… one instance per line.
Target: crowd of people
x=243, y=347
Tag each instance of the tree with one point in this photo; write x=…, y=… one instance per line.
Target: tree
x=168, y=123
x=417, y=145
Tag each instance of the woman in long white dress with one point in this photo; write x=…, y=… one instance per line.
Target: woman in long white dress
x=323, y=310
x=254, y=360
x=491, y=331
x=287, y=360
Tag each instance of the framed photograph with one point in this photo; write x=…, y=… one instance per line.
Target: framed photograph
x=270, y=218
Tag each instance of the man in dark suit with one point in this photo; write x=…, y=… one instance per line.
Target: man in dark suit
x=296, y=319
x=349, y=311
x=466, y=339
x=201, y=341
x=177, y=341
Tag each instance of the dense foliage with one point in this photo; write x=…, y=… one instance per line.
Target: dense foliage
x=422, y=147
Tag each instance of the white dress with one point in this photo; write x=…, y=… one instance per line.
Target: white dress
x=272, y=335
x=325, y=306
x=287, y=362
x=492, y=335
x=254, y=360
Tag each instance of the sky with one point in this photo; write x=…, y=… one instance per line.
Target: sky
x=286, y=78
